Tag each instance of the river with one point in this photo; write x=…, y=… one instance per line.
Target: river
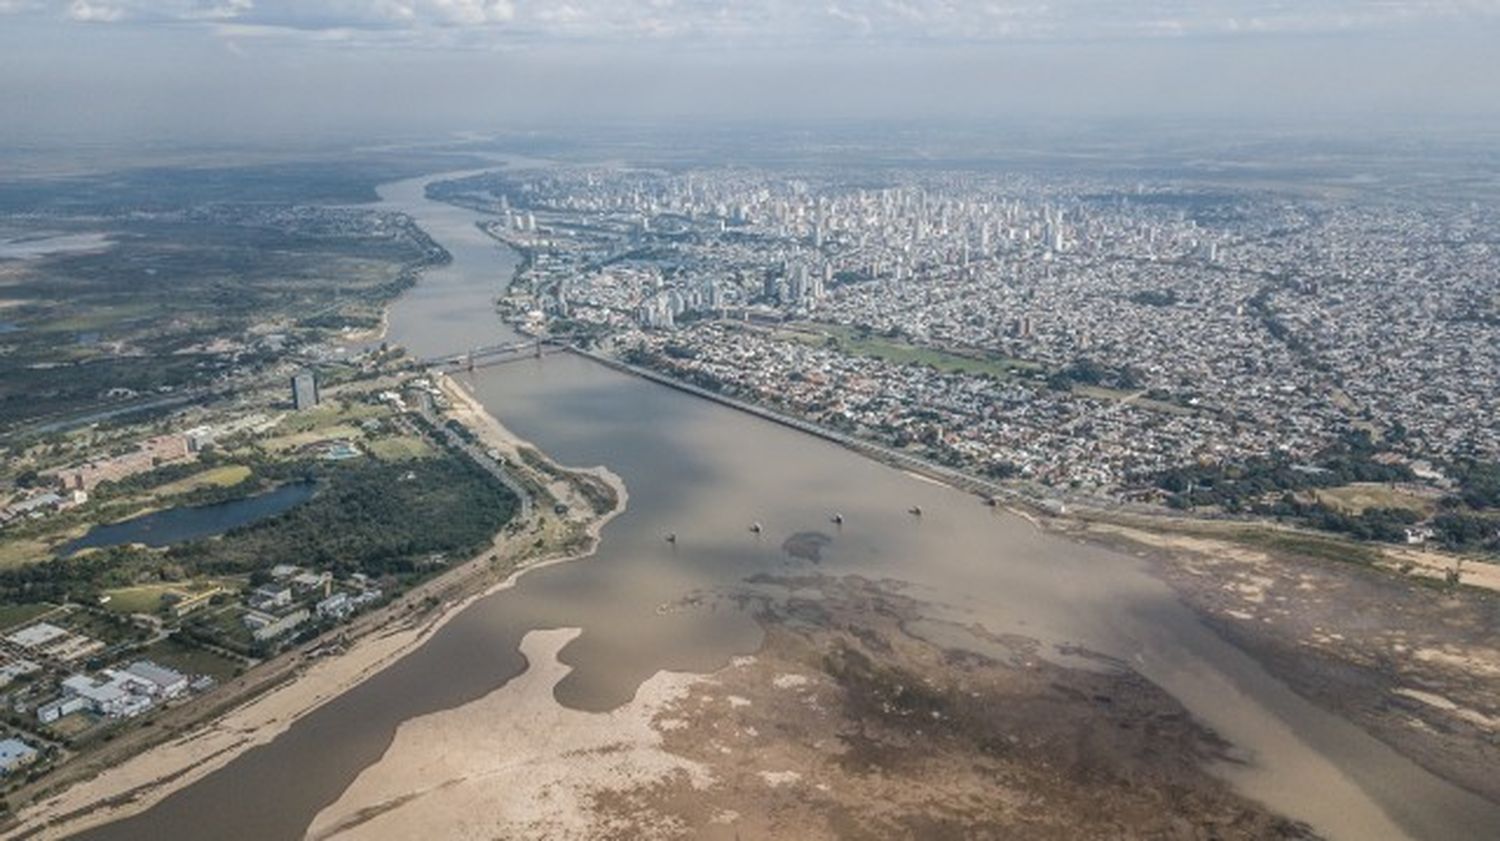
x=705, y=472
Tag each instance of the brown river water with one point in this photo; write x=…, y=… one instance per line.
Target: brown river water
x=706, y=472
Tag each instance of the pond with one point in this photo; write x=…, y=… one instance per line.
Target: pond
x=179, y=525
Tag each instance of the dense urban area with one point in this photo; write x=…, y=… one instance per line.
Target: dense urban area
x=1225, y=349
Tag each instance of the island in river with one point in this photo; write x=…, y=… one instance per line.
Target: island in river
x=959, y=674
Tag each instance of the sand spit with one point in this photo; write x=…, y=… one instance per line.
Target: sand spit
x=515, y=764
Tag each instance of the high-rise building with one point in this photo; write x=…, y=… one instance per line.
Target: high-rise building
x=304, y=390
x=800, y=288
x=771, y=288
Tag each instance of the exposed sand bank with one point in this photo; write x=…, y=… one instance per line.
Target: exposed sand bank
x=515, y=763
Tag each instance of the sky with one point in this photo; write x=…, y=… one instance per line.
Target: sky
x=163, y=69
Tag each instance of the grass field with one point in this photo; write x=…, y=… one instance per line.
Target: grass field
x=1267, y=538
x=217, y=477
x=400, y=447
x=20, y=551
x=191, y=660
x=1361, y=495
x=284, y=443
x=1306, y=545
x=227, y=625
x=73, y=725
x=101, y=627
x=97, y=318
x=333, y=413
x=146, y=598
x=896, y=351
x=13, y=615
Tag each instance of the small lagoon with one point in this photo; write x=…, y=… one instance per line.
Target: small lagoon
x=179, y=525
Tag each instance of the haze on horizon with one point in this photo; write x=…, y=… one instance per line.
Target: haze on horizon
x=217, y=70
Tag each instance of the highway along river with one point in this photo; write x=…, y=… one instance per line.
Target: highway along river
x=705, y=472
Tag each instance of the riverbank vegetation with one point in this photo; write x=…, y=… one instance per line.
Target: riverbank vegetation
x=370, y=517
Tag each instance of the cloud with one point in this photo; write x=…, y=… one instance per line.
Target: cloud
x=473, y=11
x=775, y=21
x=85, y=11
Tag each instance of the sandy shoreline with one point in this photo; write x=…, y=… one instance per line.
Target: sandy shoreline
x=140, y=782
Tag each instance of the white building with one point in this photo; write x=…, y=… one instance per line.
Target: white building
x=336, y=606
x=311, y=581
x=266, y=626
x=271, y=597
x=14, y=754
x=168, y=683
x=118, y=695
x=36, y=636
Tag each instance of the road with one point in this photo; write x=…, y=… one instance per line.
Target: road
x=479, y=456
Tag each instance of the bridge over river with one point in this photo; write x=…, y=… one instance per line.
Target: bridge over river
x=499, y=354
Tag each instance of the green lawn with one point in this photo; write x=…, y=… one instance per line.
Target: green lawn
x=1358, y=496
x=20, y=551
x=190, y=659
x=14, y=615
x=146, y=599
x=333, y=413
x=217, y=477
x=284, y=443
x=400, y=447
x=849, y=340
x=1306, y=545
